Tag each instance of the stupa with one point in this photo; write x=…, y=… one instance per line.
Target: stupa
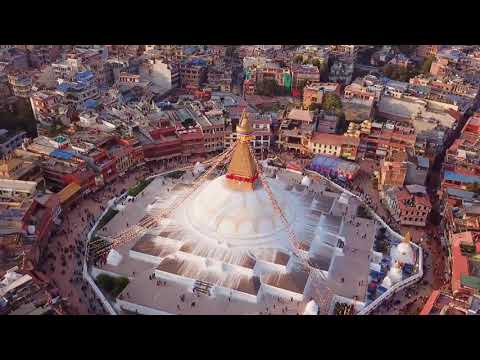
x=230, y=242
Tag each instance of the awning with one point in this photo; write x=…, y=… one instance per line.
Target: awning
x=470, y=281
x=68, y=191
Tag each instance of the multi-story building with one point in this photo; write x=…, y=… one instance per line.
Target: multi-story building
x=303, y=74
x=295, y=131
x=427, y=50
x=327, y=123
x=220, y=78
x=76, y=93
x=273, y=71
x=48, y=108
x=20, y=167
x=341, y=71
x=439, y=67
x=20, y=84
x=213, y=128
x=249, y=87
x=407, y=208
x=334, y=145
x=417, y=170
x=386, y=138
x=314, y=93
x=193, y=73
x=393, y=170
x=359, y=91
x=9, y=141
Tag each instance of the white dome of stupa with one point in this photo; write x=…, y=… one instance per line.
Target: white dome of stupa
x=395, y=273
x=198, y=168
x=387, y=282
x=306, y=181
x=311, y=308
x=403, y=253
x=114, y=258
x=239, y=217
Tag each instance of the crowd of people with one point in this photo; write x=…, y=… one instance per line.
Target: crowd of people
x=67, y=247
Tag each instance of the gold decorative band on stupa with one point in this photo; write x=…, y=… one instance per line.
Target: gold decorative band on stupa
x=242, y=170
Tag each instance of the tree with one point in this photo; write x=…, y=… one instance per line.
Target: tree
x=332, y=103
x=106, y=282
x=316, y=63
x=298, y=59
x=314, y=106
x=342, y=124
x=427, y=64
x=301, y=84
x=268, y=87
x=397, y=72
x=475, y=187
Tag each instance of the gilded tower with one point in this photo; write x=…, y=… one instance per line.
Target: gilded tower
x=242, y=170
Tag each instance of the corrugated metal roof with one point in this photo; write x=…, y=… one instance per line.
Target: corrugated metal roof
x=471, y=281
x=62, y=154
x=68, y=191
x=423, y=162
x=453, y=176
x=463, y=194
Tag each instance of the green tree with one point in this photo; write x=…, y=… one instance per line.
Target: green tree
x=332, y=103
x=106, y=282
x=342, y=124
x=314, y=106
x=268, y=87
x=316, y=63
x=298, y=59
x=475, y=187
x=301, y=84
x=427, y=64
x=397, y=72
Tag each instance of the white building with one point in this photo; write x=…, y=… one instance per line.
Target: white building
x=163, y=75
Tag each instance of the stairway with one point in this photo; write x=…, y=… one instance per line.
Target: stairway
x=202, y=287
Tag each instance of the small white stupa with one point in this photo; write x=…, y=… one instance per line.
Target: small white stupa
x=403, y=252
x=198, y=168
x=387, y=282
x=9, y=278
x=306, y=181
x=395, y=273
x=114, y=258
x=311, y=308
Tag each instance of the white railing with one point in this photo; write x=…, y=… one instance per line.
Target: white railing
x=86, y=275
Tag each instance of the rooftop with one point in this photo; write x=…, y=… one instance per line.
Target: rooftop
x=18, y=185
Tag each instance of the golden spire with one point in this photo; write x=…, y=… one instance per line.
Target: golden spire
x=244, y=129
x=408, y=237
x=242, y=170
